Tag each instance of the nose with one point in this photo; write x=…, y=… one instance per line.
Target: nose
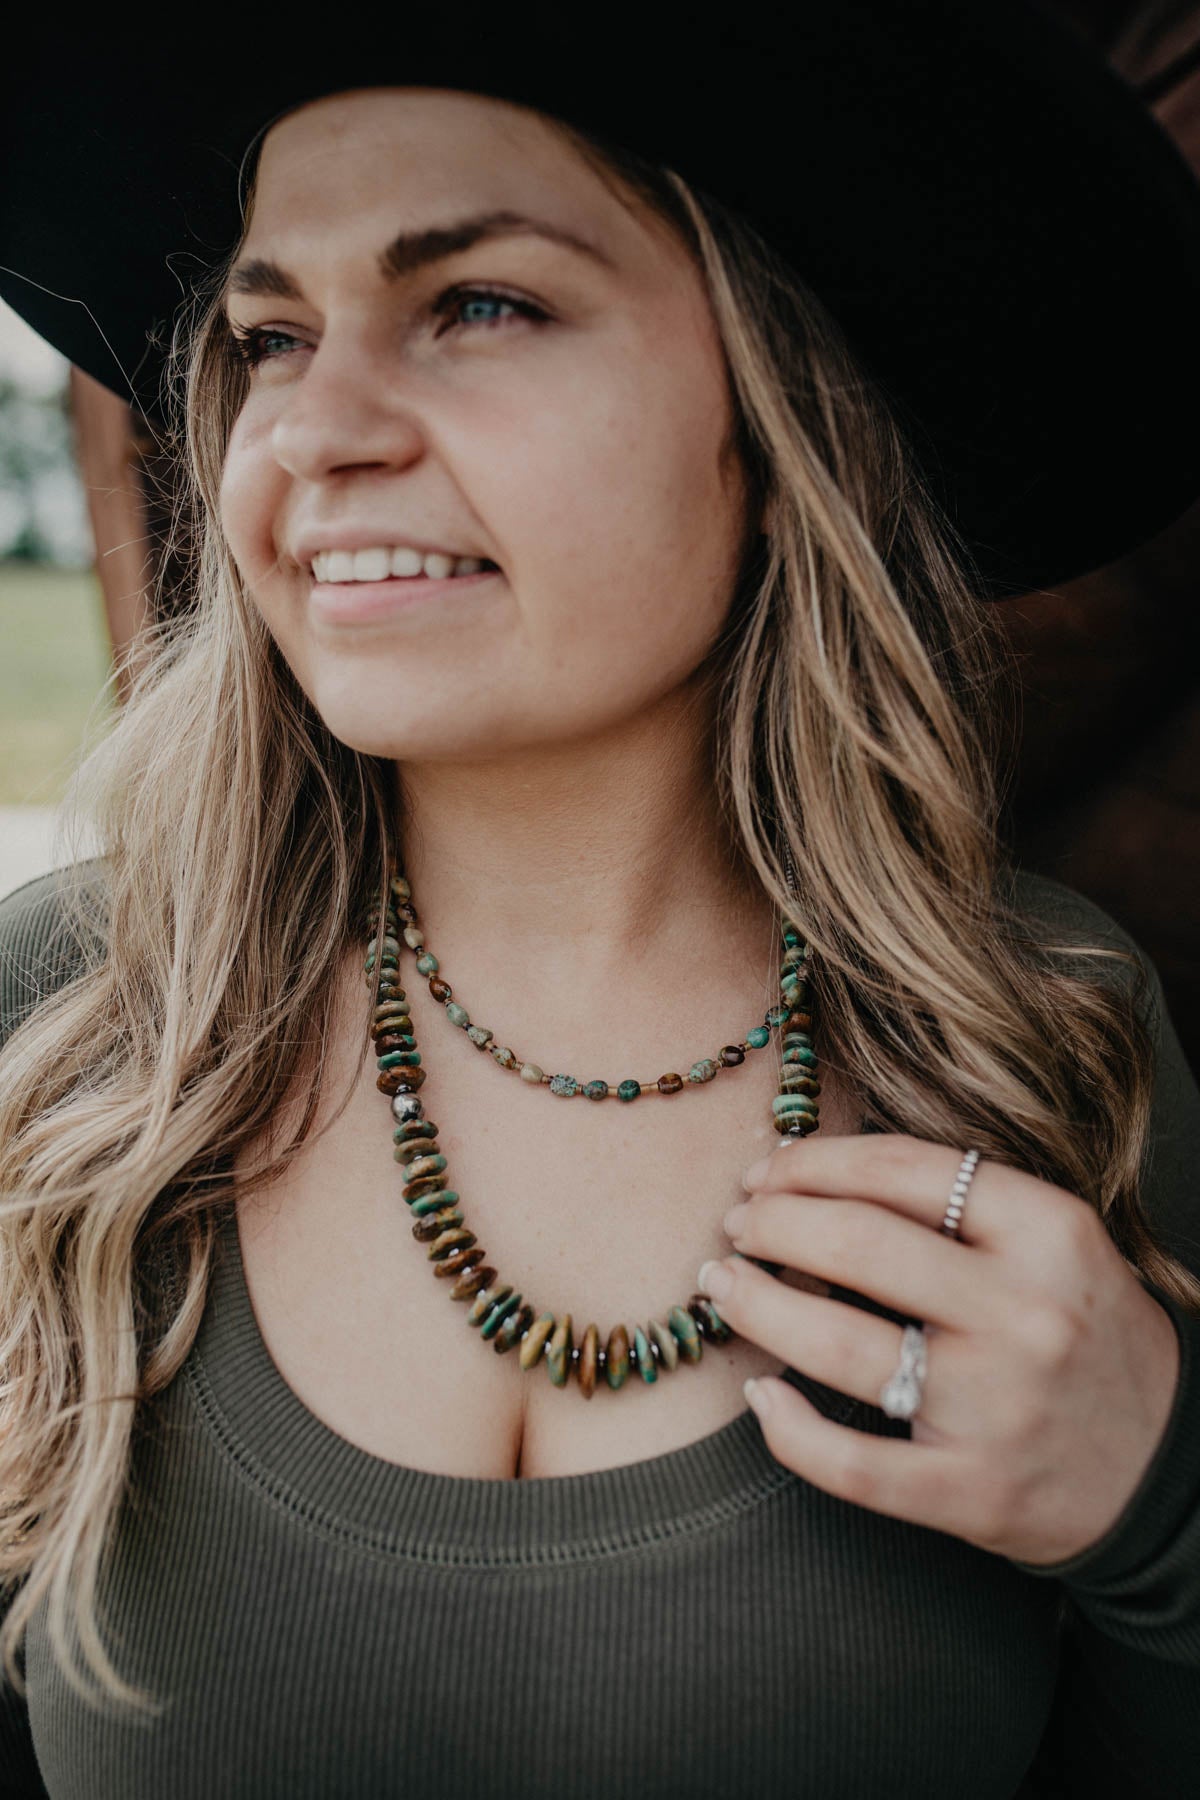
x=341, y=416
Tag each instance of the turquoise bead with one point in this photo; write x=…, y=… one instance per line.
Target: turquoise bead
x=647, y=1367
x=498, y=1314
x=409, y=1151
x=564, y=1084
x=457, y=1015
x=427, y=963
x=684, y=1329
x=794, y=1103
x=396, y=1059
x=778, y=1015
x=629, y=1090
x=596, y=1090
x=427, y=1203
x=704, y=1070
x=427, y=1167
x=791, y=936
x=478, y=1034
x=757, y=1036
x=484, y=1301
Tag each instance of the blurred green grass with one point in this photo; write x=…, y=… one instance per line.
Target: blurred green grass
x=54, y=661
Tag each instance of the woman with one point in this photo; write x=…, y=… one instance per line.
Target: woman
x=691, y=684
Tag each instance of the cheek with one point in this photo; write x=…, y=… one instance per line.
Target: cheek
x=624, y=525
x=252, y=492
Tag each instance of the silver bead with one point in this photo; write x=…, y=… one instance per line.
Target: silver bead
x=406, y=1107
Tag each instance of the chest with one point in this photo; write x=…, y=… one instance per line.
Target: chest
x=603, y=1211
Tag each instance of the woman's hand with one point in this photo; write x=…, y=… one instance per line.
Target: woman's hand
x=1051, y=1370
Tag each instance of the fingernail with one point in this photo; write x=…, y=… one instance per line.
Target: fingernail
x=756, y=1172
x=735, y=1219
x=757, y=1397
x=714, y=1279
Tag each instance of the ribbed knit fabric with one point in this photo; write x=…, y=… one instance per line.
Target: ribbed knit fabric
x=320, y=1622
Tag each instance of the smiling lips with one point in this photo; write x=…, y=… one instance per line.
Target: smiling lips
x=381, y=563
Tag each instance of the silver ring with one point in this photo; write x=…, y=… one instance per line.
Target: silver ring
x=902, y=1395
x=958, y=1193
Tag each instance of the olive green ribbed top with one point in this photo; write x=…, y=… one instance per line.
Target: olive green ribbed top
x=704, y=1623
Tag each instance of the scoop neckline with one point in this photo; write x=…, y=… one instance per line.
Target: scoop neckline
x=299, y=1462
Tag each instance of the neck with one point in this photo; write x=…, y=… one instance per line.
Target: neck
x=588, y=861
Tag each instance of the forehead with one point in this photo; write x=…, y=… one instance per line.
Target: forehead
x=411, y=145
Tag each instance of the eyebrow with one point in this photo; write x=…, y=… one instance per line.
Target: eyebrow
x=414, y=250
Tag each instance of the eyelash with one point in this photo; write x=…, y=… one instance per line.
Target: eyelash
x=246, y=347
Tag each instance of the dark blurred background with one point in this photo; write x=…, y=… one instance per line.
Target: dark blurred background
x=1106, y=795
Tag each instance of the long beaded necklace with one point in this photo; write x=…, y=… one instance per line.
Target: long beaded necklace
x=501, y=1314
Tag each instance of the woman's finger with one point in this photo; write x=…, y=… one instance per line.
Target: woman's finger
x=861, y=1245
x=854, y=1351
x=935, y=1486
x=916, y=1178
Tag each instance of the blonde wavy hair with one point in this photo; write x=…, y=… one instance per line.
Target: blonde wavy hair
x=859, y=691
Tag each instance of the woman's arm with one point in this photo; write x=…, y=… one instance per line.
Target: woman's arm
x=1126, y=1718
x=20, y=1777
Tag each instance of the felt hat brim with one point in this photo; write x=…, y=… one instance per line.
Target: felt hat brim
x=1008, y=238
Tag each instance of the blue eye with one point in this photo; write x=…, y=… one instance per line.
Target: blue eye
x=456, y=299
x=249, y=348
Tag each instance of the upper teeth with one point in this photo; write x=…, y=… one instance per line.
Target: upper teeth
x=378, y=564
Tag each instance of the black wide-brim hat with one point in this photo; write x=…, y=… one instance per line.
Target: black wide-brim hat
x=1006, y=235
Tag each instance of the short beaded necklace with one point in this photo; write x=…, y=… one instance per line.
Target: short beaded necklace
x=500, y=1313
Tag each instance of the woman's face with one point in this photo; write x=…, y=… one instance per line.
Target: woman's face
x=579, y=446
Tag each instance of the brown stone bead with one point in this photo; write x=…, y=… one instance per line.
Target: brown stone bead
x=732, y=1055
x=708, y=1320
x=415, y=1148
x=585, y=1371
x=477, y=1277
x=392, y=1040
x=427, y=1165
x=402, y=1079
x=441, y=990
x=388, y=1018
x=460, y=1261
x=414, y=1128
x=804, y=1084
x=799, y=1021
x=457, y=1238
x=399, y=1026
x=616, y=1357
x=558, y=1351
x=536, y=1339
x=664, y=1341
x=427, y=1184
x=669, y=1084
x=431, y=1225
x=801, y=1123
x=407, y=911
x=513, y=1329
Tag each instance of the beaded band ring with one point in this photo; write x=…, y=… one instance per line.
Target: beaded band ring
x=958, y=1194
